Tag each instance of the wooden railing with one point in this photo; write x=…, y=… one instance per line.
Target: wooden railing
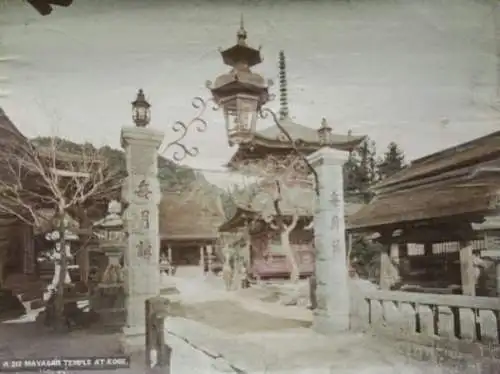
x=455, y=326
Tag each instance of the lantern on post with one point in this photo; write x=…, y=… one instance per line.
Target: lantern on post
x=141, y=112
x=240, y=93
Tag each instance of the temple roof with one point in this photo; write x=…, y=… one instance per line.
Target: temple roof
x=454, y=158
x=461, y=180
x=272, y=140
x=9, y=132
x=189, y=215
x=295, y=200
x=464, y=199
x=308, y=136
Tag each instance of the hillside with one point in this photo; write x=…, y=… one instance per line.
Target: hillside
x=170, y=174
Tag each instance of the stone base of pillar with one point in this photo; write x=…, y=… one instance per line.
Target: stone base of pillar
x=330, y=325
x=133, y=340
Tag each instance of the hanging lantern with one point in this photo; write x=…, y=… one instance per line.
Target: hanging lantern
x=240, y=93
x=240, y=116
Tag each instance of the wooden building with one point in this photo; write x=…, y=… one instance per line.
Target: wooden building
x=189, y=221
x=271, y=150
x=437, y=220
x=17, y=254
x=22, y=242
x=267, y=258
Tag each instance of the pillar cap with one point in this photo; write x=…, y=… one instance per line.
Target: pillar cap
x=328, y=156
x=143, y=135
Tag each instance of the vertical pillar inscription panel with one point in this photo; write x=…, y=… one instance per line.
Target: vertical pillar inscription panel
x=141, y=191
x=332, y=312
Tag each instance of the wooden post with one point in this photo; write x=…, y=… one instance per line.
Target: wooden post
x=209, y=258
x=169, y=258
x=202, y=259
x=428, y=249
x=156, y=312
x=467, y=269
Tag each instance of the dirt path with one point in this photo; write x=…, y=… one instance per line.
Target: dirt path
x=231, y=317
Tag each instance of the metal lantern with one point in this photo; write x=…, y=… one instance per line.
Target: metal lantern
x=240, y=93
x=141, y=113
x=240, y=115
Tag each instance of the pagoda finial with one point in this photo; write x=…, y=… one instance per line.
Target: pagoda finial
x=242, y=33
x=283, y=86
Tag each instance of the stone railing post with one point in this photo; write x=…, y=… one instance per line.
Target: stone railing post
x=331, y=314
x=142, y=253
x=156, y=310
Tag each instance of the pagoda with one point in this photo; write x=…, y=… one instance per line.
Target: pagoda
x=271, y=152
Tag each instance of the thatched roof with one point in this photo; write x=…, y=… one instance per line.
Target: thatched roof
x=427, y=203
x=471, y=153
x=192, y=214
x=461, y=180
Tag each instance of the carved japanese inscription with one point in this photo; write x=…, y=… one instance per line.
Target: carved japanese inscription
x=335, y=224
x=143, y=190
x=144, y=250
x=145, y=219
x=335, y=199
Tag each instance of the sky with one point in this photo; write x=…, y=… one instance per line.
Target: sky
x=422, y=73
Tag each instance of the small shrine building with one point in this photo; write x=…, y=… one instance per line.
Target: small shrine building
x=189, y=221
x=438, y=221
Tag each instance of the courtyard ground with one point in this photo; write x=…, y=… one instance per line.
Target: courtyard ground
x=224, y=332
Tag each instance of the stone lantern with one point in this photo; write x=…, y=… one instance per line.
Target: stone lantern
x=108, y=298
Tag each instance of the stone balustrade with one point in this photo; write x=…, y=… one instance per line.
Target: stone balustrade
x=452, y=327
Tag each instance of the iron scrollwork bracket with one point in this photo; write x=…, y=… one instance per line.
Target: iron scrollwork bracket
x=200, y=124
x=263, y=113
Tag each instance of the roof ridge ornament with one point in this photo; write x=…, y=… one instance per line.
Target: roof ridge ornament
x=242, y=33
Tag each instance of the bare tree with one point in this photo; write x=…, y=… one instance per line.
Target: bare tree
x=280, y=181
x=36, y=178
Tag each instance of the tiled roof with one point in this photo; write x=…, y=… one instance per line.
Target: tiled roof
x=303, y=133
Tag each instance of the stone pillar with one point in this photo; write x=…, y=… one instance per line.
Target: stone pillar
x=332, y=294
x=389, y=259
x=142, y=253
x=492, y=253
x=467, y=270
